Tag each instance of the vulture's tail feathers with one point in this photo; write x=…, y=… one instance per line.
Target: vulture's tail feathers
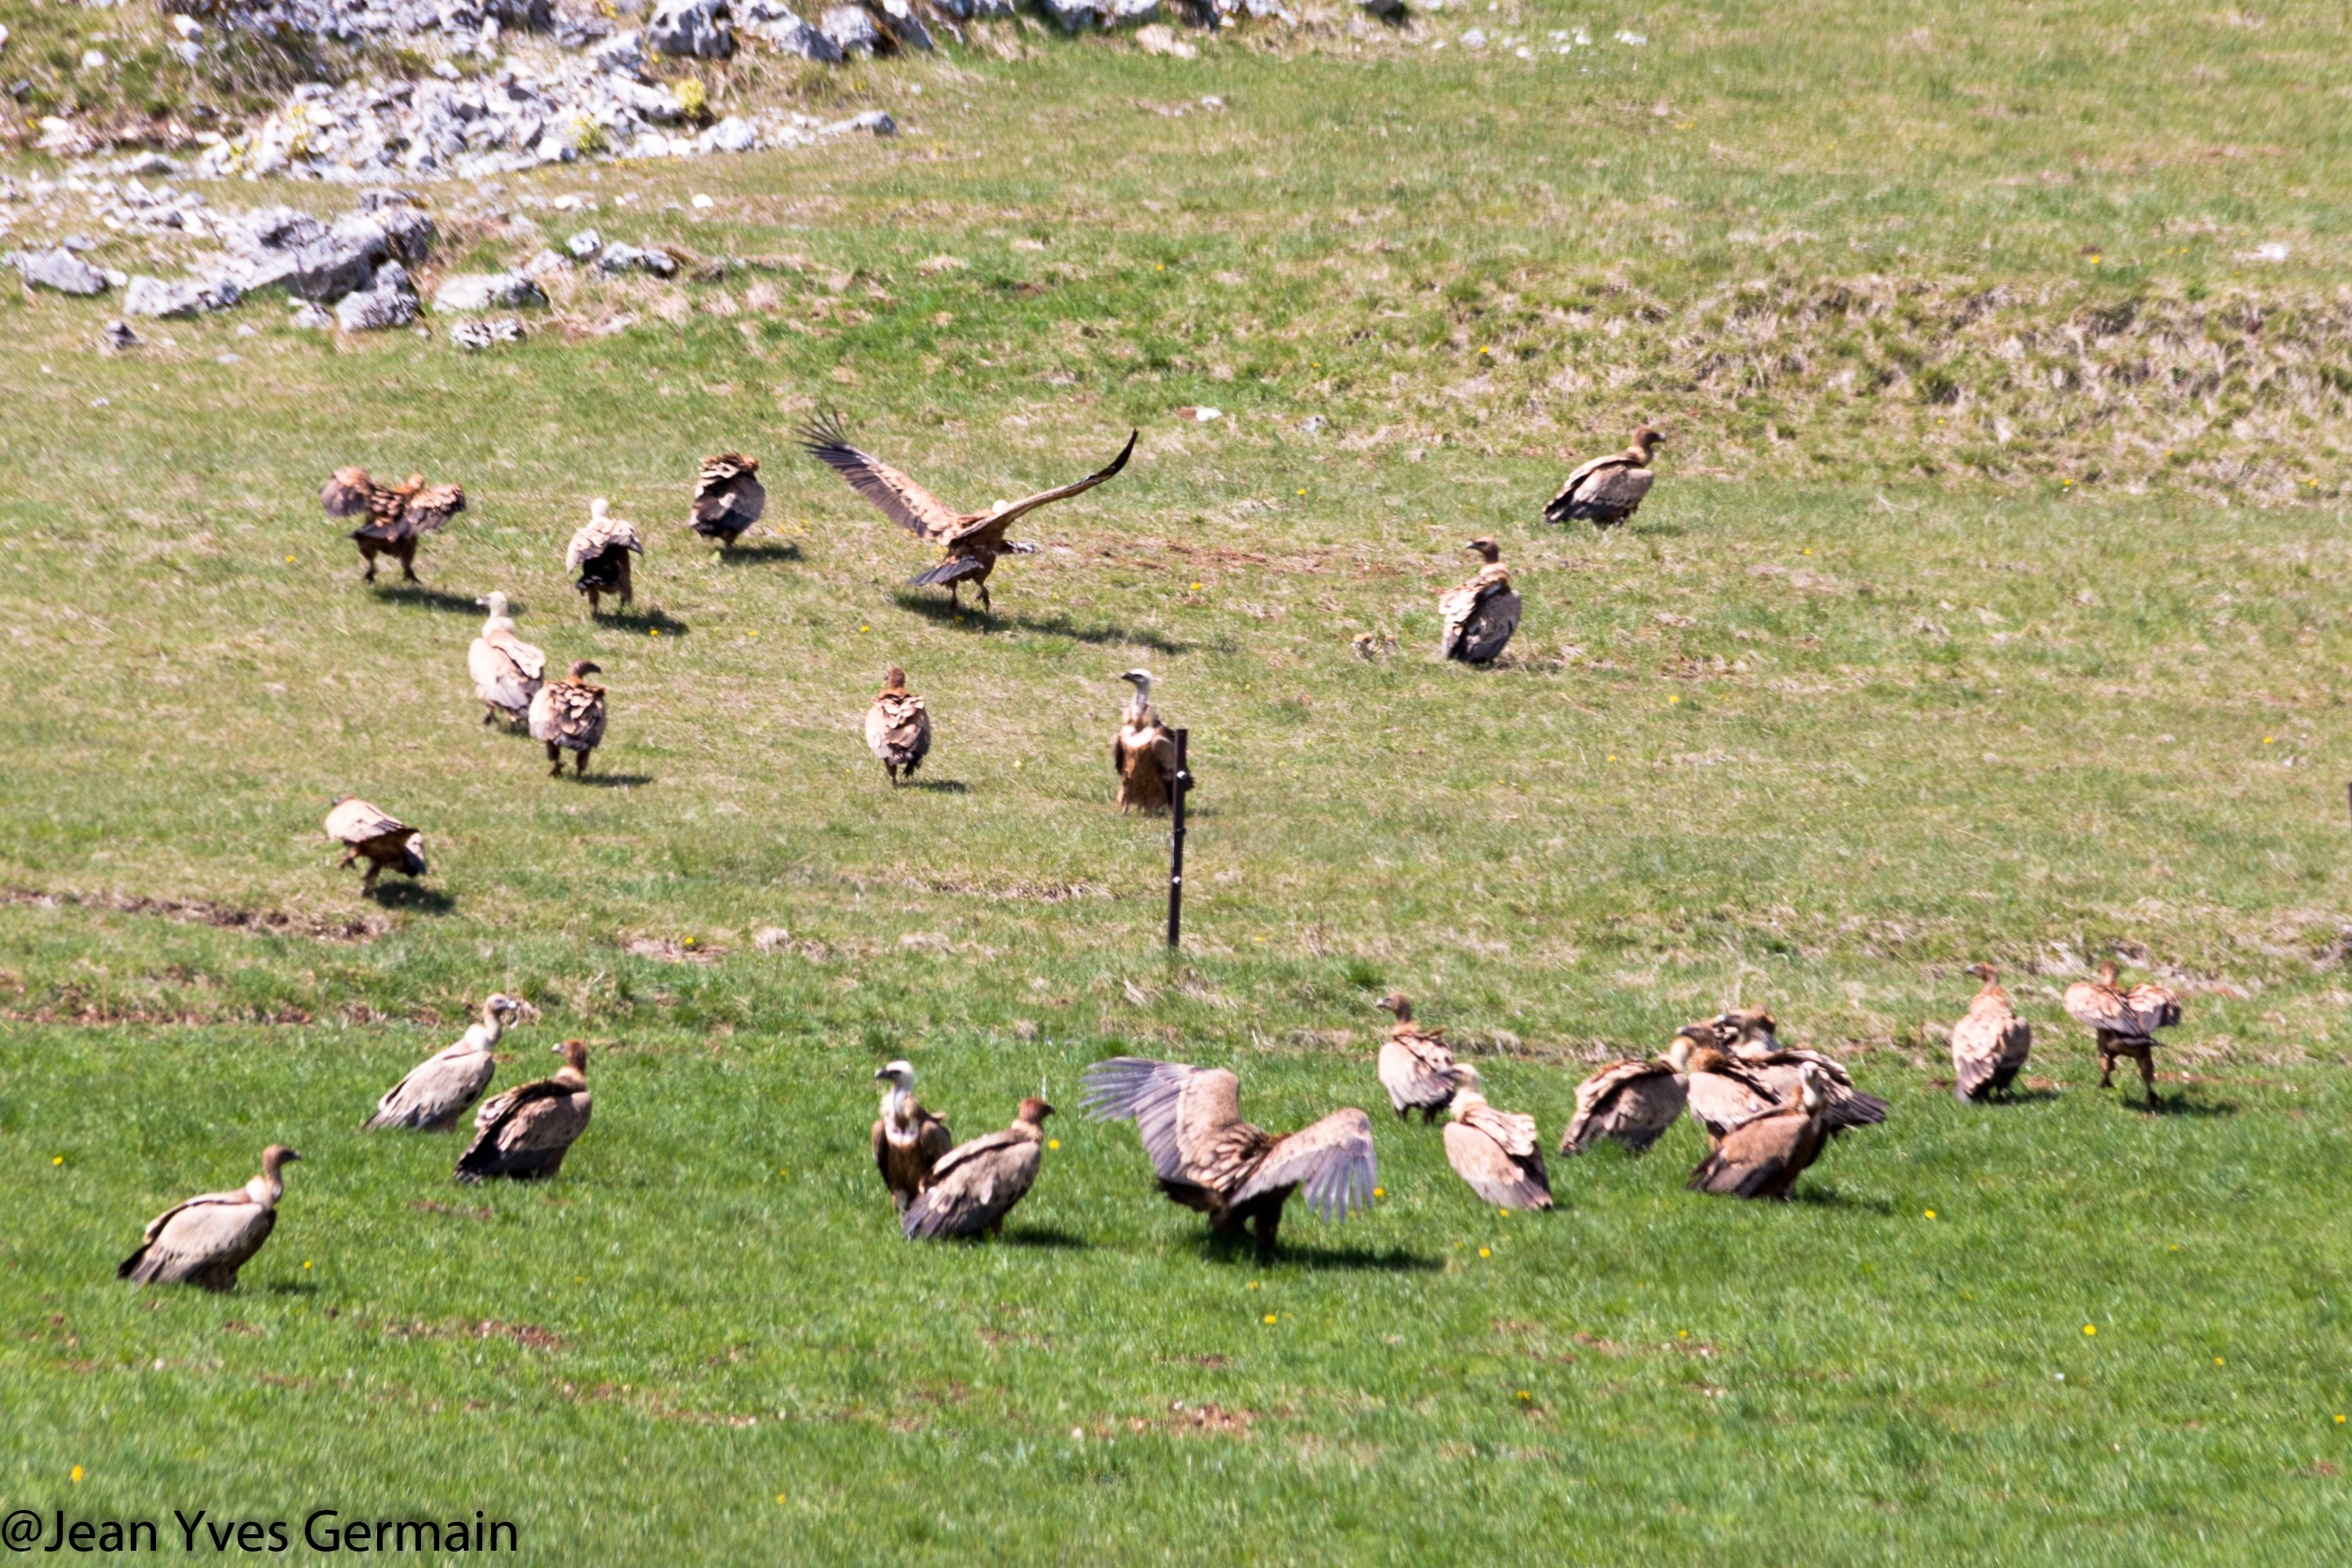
x=954, y=569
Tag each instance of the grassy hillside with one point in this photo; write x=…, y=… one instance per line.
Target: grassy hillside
x=1991, y=606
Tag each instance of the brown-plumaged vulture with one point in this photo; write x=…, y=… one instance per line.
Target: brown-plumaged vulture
x=727, y=497
x=1607, y=491
x=972, y=540
x=899, y=728
x=1630, y=1103
x=1991, y=1043
x=1724, y=1091
x=909, y=1141
x=445, y=1086
x=1496, y=1152
x=2122, y=1023
x=1415, y=1067
x=975, y=1185
x=383, y=841
x=1207, y=1158
x=569, y=716
x=507, y=671
x=1763, y=1158
x=1756, y=1047
x=1143, y=753
x=600, y=553
x=1482, y=613
x=398, y=516
x=525, y=1133
x=206, y=1240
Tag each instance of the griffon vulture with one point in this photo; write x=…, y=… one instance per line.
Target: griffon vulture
x=382, y=841
x=1495, y=1151
x=445, y=1085
x=1753, y=1043
x=1143, y=753
x=207, y=1240
x=600, y=553
x=507, y=671
x=1630, y=1102
x=1482, y=613
x=1208, y=1158
x=1415, y=1067
x=398, y=516
x=1724, y=1091
x=2123, y=1023
x=909, y=1141
x=899, y=728
x=975, y=1185
x=972, y=540
x=526, y=1131
x=1607, y=491
x=727, y=497
x=1763, y=1158
x=569, y=716
x=1989, y=1045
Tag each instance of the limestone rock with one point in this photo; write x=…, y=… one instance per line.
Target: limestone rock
x=60, y=269
x=470, y=293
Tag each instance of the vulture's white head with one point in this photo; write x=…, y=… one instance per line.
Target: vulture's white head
x=1814, y=1084
x=900, y=1074
x=1468, y=1088
x=1678, y=1055
x=600, y=508
x=504, y=1005
x=1141, y=681
x=495, y=603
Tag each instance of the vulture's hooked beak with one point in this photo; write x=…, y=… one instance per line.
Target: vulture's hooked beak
x=287, y=1157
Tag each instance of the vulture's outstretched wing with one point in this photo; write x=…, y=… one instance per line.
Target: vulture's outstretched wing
x=1331, y=1159
x=347, y=494
x=432, y=508
x=1022, y=508
x=1149, y=1093
x=901, y=500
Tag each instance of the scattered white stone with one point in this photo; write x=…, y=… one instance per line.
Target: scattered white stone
x=584, y=244
x=93, y=60
x=1635, y=39
x=470, y=293
x=697, y=30
x=475, y=336
x=58, y=268
x=2271, y=252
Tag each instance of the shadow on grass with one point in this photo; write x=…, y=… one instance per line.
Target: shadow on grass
x=611, y=781
x=1047, y=1236
x=974, y=618
x=2181, y=1105
x=410, y=896
x=752, y=554
x=660, y=621
x=1831, y=1198
x=1385, y=1261
x=290, y=1288
x=937, y=786
x=417, y=594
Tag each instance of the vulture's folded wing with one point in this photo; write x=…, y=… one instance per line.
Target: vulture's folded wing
x=2098, y=1008
x=205, y=1230
x=2151, y=1007
x=901, y=499
x=439, y=1087
x=1416, y=1069
x=964, y=1152
x=1503, y=1175
x=356, y=822
x=1331, y=1159
x=1617, y=488
x=1060, y=492
x=1721, y=1102
x=974, y=1188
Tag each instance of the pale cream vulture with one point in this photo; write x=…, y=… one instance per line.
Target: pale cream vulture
x=909, y=1141
x=1415, y=1067
x=975, y=1185
x=600, y=553
x=1991, y=1043
x=1756, y=1047
x=1724, y=1091
x=899, y=728
x=1207, y=1158
x=398, y=516
x=507, y=671
x=526, y=1131
x=1482, y=613
x=1143, y=753
x=445, y=1086
x=1763, y=1158
x=1630, y=1103
x=1496, y=1152
x=727, y=497
x=367, y=833
x=1607, y=491
x=569, y=716
x=972, y=540
x=207, y=1240
x=2122, y=1023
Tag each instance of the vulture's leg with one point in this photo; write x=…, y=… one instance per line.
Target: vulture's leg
x=348, y=856
x=579, y=763
x=368, y=556
x=955, y=596
x=2147, y=1076
x=489, y=713
x=1267, y=1222
x=554, y=761
x=2106, y=1066
x=408, y=553
x=986, y=606
x=892, y=769
x=375, y=869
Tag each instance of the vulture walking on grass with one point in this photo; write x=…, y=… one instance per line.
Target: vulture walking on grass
x=367, y=833
x=1763, y=1158
x=1630, y=1103
x=398, y=516
x=507, y=671
x=1755, y=1046
x=600, y=553
x=1143, y=753
x=2122, y=1023
x=1989, y=1045
x=1607, y=491
x=526, y=1131
x=727, y=497
x=1207, y=1158
x=899, y=728
x=569, y=716
x=1496, y=1152
x=975, y=1185
x=970, y=539
x=1482, y=613
x=444, y=1086
x=207, y=1240
x=909, y=1141
x=1415, y=1067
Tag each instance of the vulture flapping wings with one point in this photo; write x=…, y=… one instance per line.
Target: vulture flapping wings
x=917, y=510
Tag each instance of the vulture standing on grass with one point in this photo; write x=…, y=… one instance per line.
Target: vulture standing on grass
x=1482, y=613
x=398, y=516
x=369, y=835
x=1725, y=1092
x=1143, y=753
x=972, y=539
x=1208, y=1158
x=899, y=728
x=1754, y=1045
x=1415, y=1067
x=207, y=1240
x=526, y=1131
x=445, y=1085
x=727, y=497
x=975, y=1185
x=1607, y=491
x=2123, y=1022
x=909, y=1141
x=600, y=553
x=1630, y=1102
x=1991, y=1044
x=1496, y=1152
x=1763, y=1158
x=507, y=670
x=569, y=716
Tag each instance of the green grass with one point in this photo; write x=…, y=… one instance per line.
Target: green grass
x=1855, y=702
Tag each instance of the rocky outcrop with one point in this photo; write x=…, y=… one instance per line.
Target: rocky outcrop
x=60, y=269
